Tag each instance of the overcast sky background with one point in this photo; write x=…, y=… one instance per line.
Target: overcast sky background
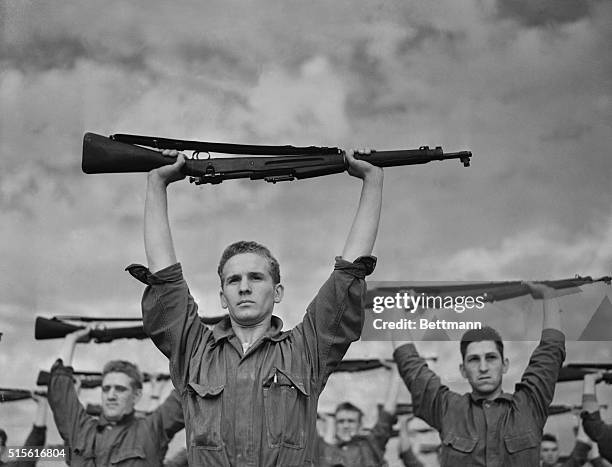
x=525, y=85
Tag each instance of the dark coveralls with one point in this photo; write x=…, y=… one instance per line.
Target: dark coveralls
x=257, y=408
x=505, y=432
x=92, y=441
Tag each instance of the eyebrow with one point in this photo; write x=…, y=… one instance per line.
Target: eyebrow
x=107, y=387
x=256, y=274
x=487, y=354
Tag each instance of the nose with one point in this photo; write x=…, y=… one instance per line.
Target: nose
x=483, y=367
x=112, y=395
x=245, y=285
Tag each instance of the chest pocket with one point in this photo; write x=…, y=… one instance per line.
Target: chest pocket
x=286, y=402
x=457, y=450
x=131, y=456
x=205, y=407
x=520, y=442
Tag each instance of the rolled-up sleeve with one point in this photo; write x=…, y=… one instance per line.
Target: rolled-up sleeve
x=335, y=316
x=170, y=317
x=540, y=376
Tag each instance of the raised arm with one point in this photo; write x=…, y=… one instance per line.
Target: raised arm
x=551, y=313
x=540, y=376
x=167, y=419
x=361, y=237
x=68, y=413
x=430, y=398
x=335, y=316
x=383, y=429
x=38, y=434
x=157, y=235
x=594, y=426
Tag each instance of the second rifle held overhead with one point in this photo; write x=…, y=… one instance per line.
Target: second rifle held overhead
x=122, y=153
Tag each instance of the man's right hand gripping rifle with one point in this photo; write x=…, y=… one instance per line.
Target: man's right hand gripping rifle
x=246, y=359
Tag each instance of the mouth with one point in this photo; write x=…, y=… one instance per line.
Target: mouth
x=245, y=302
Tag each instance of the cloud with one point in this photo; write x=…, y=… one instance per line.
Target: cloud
x=536, y=13
x=539, y=254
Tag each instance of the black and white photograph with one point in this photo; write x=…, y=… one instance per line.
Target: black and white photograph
x=320, y=234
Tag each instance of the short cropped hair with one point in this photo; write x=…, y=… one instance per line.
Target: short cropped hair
x=127, y=368
x=249, y=247
x=549, y=437
x=486, y=333
x=3, y=437
x=349, y=407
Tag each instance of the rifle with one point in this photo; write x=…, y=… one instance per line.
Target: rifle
x=121, y=153
x=353, y=365
x=491, y=291
x=561, y=409
x=592, y=366
x=577, y=371
x=11, y=395
x=56, y=328
x=92, y=379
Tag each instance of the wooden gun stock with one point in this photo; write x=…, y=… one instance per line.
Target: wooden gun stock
x=54, y=329
x=12, y=395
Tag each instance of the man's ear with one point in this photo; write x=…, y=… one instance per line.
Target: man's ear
x=462, y=370
x=137, y=395
x=505, y=366
x=279, y=292
x=222, y=298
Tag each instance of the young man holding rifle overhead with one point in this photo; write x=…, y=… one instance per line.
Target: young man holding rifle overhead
x=489, y=427
x=249, y=389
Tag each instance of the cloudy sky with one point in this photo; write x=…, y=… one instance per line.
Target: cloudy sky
x=525, y=85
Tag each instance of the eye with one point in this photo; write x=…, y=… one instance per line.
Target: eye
x=105, y=388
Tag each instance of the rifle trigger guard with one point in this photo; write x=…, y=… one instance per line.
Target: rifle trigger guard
x=196, y=155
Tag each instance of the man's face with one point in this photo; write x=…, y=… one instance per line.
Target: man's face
x=348, y=424
x=248, y=291
x=483, y=367
x=549, y=452
x=118, y=396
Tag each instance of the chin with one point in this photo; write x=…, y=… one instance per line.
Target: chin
x=112, y=415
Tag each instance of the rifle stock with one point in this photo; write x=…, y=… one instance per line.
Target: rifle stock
x=54, y=328
x=576, y=372
x=12, y=395
x=125, y=153
x=90, y=379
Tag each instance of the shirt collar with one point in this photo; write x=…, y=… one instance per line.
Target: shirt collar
x=223, y=330
x=479, y=400
x=125, y=420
